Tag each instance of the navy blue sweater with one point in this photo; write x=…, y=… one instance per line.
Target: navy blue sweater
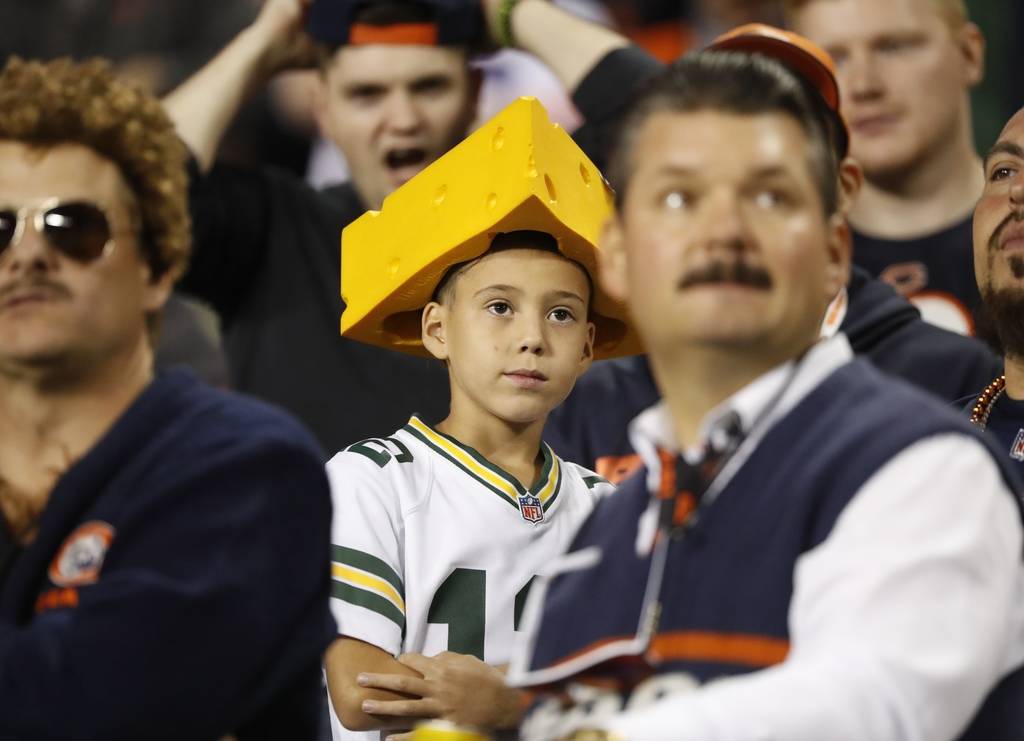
x=178, y=584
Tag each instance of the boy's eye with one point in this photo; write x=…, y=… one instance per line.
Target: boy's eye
x=499, y=308
x=562, y=316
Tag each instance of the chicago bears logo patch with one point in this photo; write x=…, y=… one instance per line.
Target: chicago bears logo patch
x=1017, y=449
x=80, y=558
x=530, y=508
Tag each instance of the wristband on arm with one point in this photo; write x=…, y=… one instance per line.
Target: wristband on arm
x=505, y=37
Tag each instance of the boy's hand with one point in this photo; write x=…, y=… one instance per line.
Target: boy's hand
x=455, y=687
x=280, y=26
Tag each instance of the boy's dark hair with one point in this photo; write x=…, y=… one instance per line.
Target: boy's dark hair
x=730, y=82
x=517, y=240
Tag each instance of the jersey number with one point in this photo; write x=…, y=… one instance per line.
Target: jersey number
x=379, y=452
x=461, y=604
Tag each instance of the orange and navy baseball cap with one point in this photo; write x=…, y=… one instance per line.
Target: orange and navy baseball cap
x=433, y=23
x=802, y=56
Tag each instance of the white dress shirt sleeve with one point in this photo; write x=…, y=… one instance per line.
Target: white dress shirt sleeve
x=901, y=620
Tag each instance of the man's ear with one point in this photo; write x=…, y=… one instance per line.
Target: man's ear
x=971, y=43
x=156, y=290
x=612, y=260
x=476, y=84
x=851, y=178
x=319, y=106
x=433, y=329
x=839, y=250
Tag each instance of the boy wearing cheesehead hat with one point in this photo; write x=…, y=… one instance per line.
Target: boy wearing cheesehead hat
x=484, y=261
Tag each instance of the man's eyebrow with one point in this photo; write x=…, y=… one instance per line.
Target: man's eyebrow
x=1005, y=147
x=362, y=87
x=430, y=80
x=675, y=170
x=764, y=171
x=770, y=171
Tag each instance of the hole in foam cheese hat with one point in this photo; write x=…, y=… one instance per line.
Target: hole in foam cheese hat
x=516, y=172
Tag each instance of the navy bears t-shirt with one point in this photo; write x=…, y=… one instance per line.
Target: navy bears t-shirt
x=935, y=272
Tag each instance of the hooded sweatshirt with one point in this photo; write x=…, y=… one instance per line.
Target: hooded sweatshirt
x=590, y=427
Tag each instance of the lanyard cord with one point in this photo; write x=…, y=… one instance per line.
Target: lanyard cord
x=681, y=511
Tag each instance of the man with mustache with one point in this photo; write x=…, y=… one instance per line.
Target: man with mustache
x=163, y=545
x=799, y=557
x=999, y=269
x=881, y=325
x=739, y=272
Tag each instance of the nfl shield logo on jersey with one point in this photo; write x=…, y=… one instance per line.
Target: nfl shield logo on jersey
x=530, y=508
x=1017, y=449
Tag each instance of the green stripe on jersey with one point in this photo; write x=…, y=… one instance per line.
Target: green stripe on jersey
x=369, y=600
x=369, y=564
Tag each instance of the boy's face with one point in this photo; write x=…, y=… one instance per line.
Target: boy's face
x=514, y=331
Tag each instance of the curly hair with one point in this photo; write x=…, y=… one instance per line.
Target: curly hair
x=65, y=102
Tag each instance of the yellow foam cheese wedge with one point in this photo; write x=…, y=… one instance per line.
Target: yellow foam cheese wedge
x=517, y=172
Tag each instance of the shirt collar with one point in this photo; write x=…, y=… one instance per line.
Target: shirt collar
x=653, y=429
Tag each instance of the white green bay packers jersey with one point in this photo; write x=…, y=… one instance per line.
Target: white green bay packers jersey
x=434, y=548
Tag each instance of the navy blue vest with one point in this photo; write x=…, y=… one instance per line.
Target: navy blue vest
x=728, y=583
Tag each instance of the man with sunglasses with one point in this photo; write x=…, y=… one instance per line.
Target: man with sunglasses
x=163, y=545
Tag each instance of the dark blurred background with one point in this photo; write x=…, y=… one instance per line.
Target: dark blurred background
x=160, y=42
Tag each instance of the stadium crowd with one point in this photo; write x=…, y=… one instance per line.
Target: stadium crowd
x=683, y=399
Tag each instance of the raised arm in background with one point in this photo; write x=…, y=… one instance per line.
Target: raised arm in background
x=203, y=106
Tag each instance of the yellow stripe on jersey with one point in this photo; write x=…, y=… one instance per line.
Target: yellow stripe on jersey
x=367, y=581
x=467, y=461
x=501, y=483
x=551, y=484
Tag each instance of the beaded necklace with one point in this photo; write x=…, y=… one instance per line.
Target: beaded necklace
x=986, y=400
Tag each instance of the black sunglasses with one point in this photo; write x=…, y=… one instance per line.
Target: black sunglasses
x=80, y=230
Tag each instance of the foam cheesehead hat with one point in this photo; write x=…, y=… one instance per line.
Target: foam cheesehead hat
x=441, y=23
x=802, y=56
x=517, y=172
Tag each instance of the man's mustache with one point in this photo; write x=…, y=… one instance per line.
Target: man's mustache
x=738, y=272
x=1013, y=216
x=52, y=288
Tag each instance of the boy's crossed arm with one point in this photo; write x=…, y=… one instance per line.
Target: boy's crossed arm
x=370, y=689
